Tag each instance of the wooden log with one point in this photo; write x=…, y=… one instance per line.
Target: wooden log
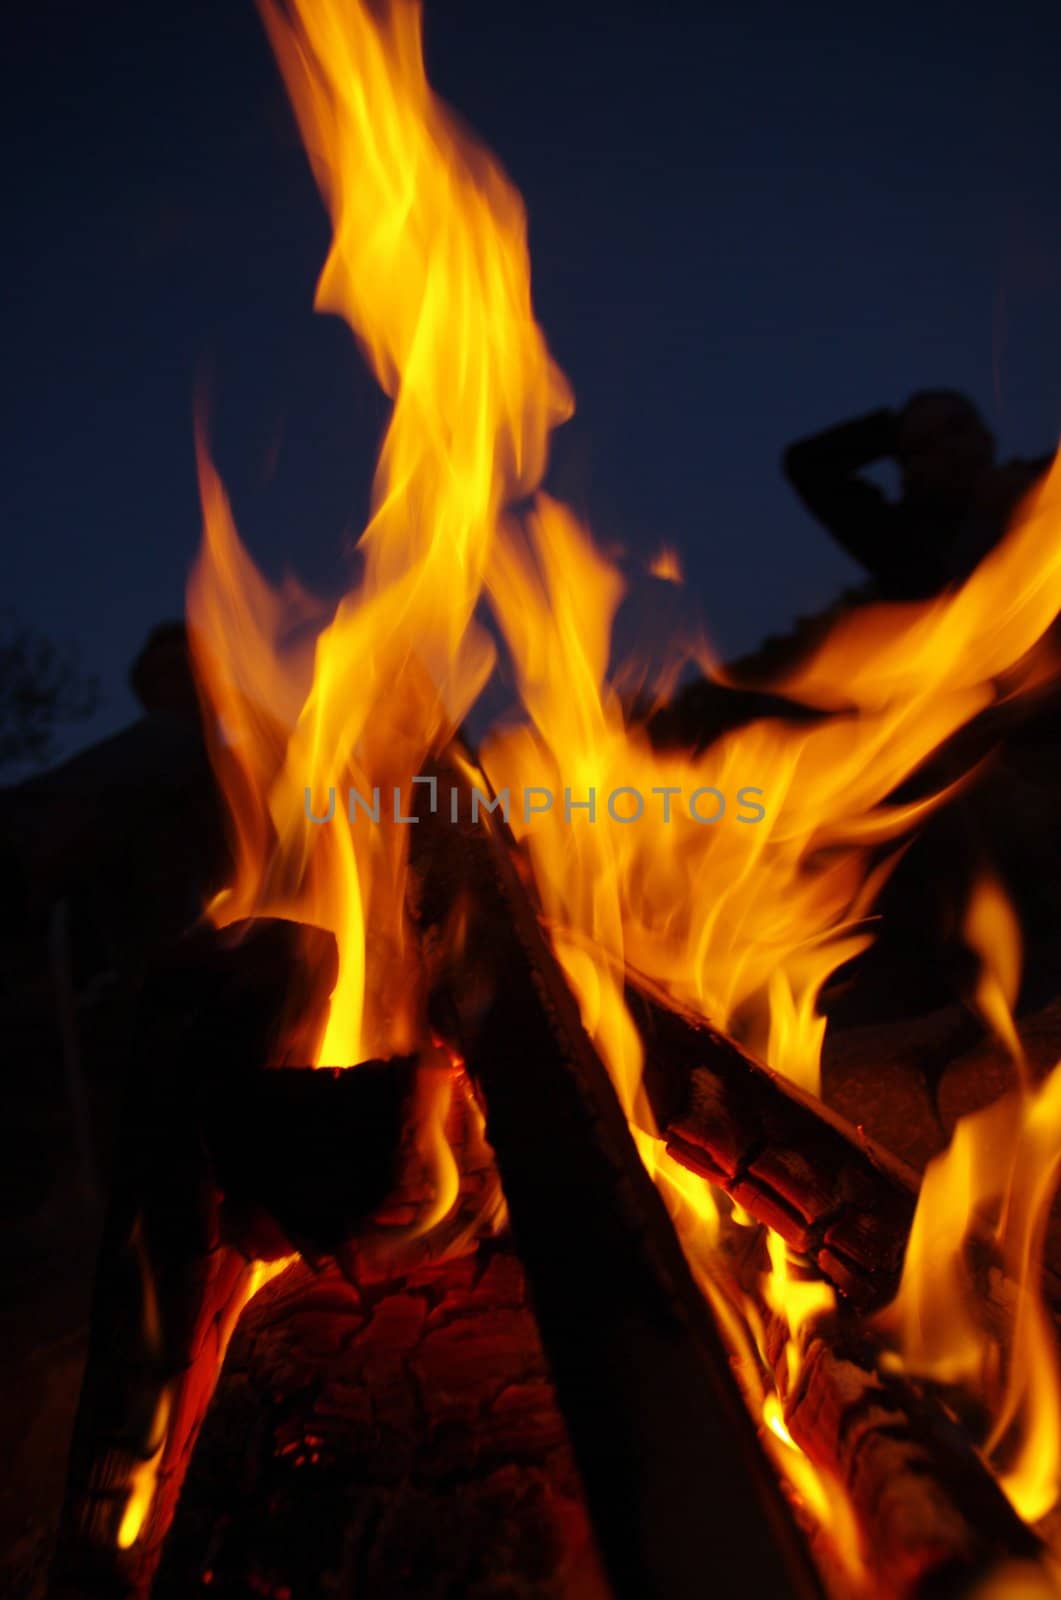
x=837, y=1197
x=792, y=1163
x=220, y=1165
x=395, y=1438
x=668, y=1453
x=932, y=1519
x=140, y=1412
x=313, y=1160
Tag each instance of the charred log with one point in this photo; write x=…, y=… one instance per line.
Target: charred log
x=397, y=1440
x=790, y=1161
x=208, y=1180
x=631, y=1343
x=837, y=1197
x=932, y=1519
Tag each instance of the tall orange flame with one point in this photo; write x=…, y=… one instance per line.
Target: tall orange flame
x=428, y=265
x=739, y=879
x=748, y=919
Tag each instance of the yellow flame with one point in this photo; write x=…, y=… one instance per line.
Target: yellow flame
x=144, y=1476
x=798, y=1301
x=1032, y=1396
x=428, y=265
x=143, y=1479
x=746, y=916
x=994, y=1183
x=745, y=911
x=739, y=879
x=823, y=1499
x=992, y=932
x=812, y=1488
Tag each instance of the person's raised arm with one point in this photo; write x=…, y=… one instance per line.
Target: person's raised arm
x=825, y=471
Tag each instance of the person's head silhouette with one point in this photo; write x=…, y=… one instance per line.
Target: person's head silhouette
x=942, y=444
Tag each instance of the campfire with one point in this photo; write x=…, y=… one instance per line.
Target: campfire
x=562, y=986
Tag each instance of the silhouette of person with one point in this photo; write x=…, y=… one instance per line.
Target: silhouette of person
x=161, y=677
x=130, y=830
x=955, y=504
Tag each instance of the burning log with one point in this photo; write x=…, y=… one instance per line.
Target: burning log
x=210, y=1184
x=212, y=1178
x=631, y=1343
x=403, y=1434
x=933, y=1520
x=925, y=1517
x=787, y=1159
x=835, y=1196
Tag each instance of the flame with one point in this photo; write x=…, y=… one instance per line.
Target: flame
x=799, y=1302
x=992, y=932
x=740, y=879
x=991, y=1190
x=744, y=912
x=991, y=1187
x=145, y=1473
x=747, y=916
x=145, y=1476
x=428, y=266
x=826, y=1505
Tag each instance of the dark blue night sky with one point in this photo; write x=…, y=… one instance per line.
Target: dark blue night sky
x=745, y=223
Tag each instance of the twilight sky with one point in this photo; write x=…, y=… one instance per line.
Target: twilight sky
x=745, y=223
